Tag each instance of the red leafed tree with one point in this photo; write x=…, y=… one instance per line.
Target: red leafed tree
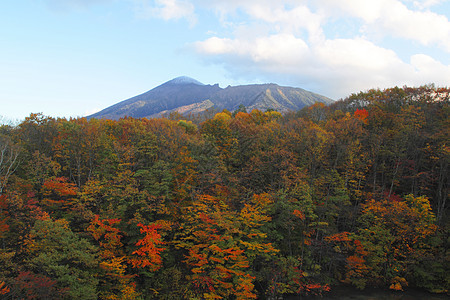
x=346, y=245
x=148, y=255
x=60, y=187
x=59, y=194
x=361, y=114
x=107, y=235
x=299, y=214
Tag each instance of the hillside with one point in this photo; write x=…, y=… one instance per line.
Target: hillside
x=255, y=205
x=187, y=95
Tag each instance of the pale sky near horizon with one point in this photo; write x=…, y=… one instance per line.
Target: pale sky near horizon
x=70, y=58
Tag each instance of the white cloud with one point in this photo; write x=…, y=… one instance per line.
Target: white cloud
x=424, y=26
x=383, y=17
x=297, y=17
x=429, y=70
x=393, y=18
x=297, y=47
x=276, y=52
x=174, y=9
x=426, y=3
x=367, y=10
x=350, y=65
x=355, y=53
x=338, y=67
x=166, y=9
x=230, y=6
x=287, y=38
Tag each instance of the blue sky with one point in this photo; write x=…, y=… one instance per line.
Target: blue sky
x=70, y=58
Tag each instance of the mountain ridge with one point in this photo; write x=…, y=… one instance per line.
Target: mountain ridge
x=187, y=95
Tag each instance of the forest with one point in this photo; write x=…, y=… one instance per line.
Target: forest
x=229, y=205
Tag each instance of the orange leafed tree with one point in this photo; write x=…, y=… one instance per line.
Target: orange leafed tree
x=220, y=244
x=4, y=289
x=299, y=214
x=361, y=114
x=149, y=253
x=108, y=236
x=116, y=283
x=356, y=269
x=393, y=234
x=59, y=195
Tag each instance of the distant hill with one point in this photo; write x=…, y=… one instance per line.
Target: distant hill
x=187, y=95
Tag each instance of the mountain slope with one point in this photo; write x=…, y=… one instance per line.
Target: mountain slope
x=266, y=96
x=178, y=92
x=184, y=94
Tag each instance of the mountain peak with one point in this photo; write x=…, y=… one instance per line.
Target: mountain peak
x=185, y=94
x=184, y=80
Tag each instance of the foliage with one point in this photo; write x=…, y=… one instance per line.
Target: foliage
x=31, y=286
x=149, y=253
x=220, y=245
x=393, y=234
x=58, y=252
x=237, y=205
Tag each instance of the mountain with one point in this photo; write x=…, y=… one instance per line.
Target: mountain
x=187, y=95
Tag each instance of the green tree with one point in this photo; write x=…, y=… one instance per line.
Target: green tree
x=58, y=253
x=394, y=232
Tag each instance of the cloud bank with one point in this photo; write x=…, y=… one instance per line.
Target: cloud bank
x=299, y=47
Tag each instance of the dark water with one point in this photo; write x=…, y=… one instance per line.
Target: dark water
x=346, y=293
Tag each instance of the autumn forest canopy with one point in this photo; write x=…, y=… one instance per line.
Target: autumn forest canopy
x=229, y=205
